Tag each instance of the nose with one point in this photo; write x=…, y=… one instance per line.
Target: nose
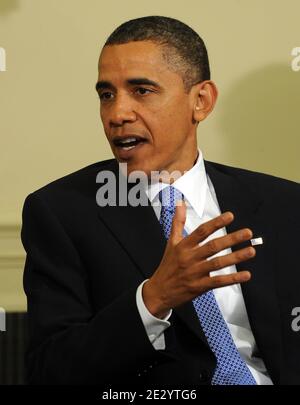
x=122, y=111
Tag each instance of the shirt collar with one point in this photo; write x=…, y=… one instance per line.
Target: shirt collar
x=192, y=184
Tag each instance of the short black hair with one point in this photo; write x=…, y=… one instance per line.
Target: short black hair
x=183, y=49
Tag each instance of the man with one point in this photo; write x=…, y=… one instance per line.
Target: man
x=151, y=293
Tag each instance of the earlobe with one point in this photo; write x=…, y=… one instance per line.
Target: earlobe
x=196, y=113
x=199, y=115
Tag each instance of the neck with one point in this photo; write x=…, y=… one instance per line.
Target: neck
x=178, y=168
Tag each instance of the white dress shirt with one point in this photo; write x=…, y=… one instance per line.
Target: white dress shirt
x=202, y=206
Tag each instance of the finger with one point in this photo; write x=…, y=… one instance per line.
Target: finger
x=224, y=242
x=206, y=229
x=204, y=284
x=226, y=280
x=178, y=222
x=230, y=259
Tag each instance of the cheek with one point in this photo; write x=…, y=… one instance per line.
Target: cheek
x=102, y=115
x=104, y=121
x=176, y=112
x=170, y=126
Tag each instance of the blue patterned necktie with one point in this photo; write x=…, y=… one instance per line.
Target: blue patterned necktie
x=231, y=368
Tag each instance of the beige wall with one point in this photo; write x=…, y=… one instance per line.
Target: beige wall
x=49, y=119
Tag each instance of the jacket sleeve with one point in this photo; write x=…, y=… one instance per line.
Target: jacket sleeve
x=68, y=342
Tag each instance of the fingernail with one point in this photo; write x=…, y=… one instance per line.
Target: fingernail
x=250, y=252
x=246, y=276
x=246, y=233
x=228, y=215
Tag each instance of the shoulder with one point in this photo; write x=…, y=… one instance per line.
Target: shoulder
x=81, y=178
x=278, y=194
x=265, y=182
x=76, y=187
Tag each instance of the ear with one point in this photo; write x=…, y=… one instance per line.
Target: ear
x=204, y=100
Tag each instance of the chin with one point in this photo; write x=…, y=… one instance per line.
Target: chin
x=138, y=166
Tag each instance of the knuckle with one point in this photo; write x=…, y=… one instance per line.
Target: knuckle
x=177, y=249
x=232, y=238
x=202, y=232
x=217, y=281
x=193, y=288
x=181, y=257
x=242, y=254
x=216, y=263
x=219, y=222
x=235, y=277
x=212, y=247
x=172, y=242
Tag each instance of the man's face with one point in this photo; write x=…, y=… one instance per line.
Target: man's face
x=144, y=103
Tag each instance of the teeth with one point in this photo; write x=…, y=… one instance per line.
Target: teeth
x=128, y=147
x=129, y=140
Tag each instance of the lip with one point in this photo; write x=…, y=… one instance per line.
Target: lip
x=124, y=154
x=115, y=139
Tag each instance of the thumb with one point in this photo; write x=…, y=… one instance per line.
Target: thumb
x=178, y=222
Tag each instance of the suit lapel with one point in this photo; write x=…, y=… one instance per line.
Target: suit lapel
x=137, y=230
x=259, y=293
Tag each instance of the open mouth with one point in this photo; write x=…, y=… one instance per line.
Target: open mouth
x=128, y=142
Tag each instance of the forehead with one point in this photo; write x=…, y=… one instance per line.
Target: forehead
x=136, y=58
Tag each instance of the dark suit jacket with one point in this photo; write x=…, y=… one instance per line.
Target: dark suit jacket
x=84, y=264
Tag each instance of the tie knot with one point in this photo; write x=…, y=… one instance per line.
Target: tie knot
x=169, y=196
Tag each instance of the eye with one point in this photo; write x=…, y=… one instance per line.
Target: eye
x=105, y=96
x=143, y=91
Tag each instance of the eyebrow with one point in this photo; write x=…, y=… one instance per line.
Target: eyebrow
x=102, y=84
